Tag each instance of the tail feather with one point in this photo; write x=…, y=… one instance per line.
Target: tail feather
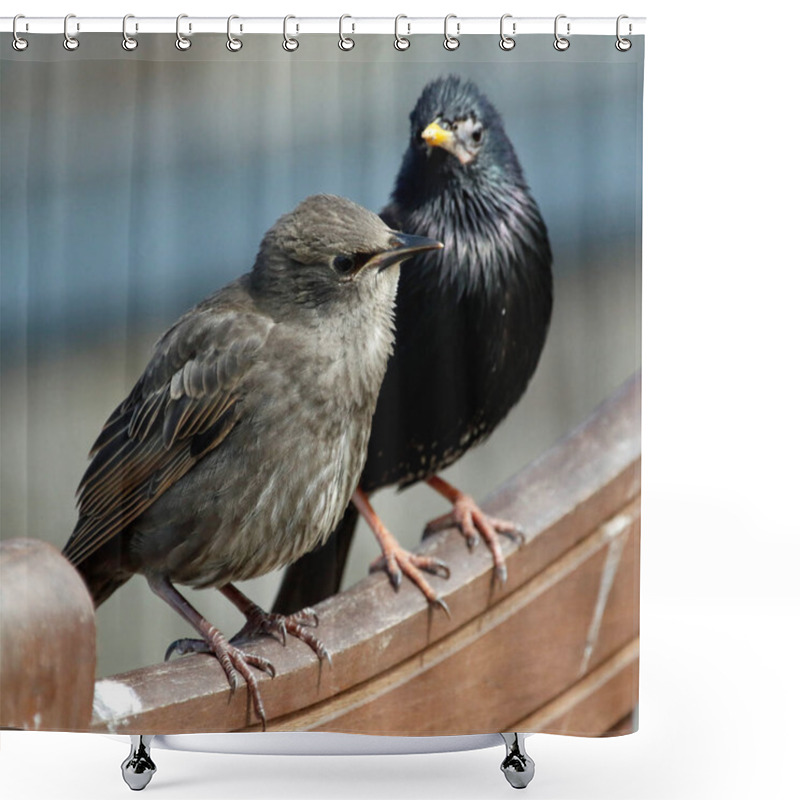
x=102, y=571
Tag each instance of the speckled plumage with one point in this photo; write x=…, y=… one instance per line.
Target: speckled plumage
x=472, y=324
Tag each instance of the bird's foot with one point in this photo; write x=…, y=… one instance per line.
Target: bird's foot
x=474, y=525
x=233, y=661
x=397, y=561
x=262, y=623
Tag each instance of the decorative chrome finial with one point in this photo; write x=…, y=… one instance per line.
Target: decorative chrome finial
x=138, y=768
x=517, y=766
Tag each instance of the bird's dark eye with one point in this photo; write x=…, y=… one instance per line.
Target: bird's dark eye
x=348, y=265
x=343, y=264
x=477, y=135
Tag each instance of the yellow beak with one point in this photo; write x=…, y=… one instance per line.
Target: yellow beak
x=436, y=136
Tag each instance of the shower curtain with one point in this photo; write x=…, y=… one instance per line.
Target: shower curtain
x=136, y=182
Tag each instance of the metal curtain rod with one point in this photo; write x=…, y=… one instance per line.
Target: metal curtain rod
x=406, y=26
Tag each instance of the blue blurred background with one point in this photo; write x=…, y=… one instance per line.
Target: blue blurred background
x=133, y=184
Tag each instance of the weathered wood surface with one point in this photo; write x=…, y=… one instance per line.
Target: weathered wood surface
x=526, y=649
x=567, y=611
x=47, y=640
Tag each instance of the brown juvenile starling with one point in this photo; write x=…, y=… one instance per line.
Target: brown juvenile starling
x=240, y=445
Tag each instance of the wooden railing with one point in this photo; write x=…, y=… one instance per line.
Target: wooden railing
x=554, y=649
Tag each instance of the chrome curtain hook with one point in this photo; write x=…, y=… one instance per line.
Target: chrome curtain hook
x=128, y=42
x=400, y=42
x=451, y=42
x=290, y=44
x=233, y=44
x=70, y=42
x=18, y=43
x=507, y=42
x=560, y=43
x=345, y=42
x=181, y=41
x=623, y=45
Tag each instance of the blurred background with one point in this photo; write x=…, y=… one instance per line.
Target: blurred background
x=133, y=184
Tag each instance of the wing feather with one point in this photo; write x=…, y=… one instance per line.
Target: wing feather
x=185, y=403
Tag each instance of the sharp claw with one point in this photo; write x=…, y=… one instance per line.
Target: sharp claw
x=501, y=572
x=180, y=647
x=267, y=667
x=443, y=605
x=310, y=614
x=515, y=533
x=323, y=653
x=396, y=577
x=281, y=629
x=441, y=569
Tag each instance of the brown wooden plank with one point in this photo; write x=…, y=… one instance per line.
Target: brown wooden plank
x=592, y=705
x=560, y=500
x=518, y=655
x=47, y=639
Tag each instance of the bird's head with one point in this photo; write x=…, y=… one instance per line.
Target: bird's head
x=327, y=246
x=454, y=124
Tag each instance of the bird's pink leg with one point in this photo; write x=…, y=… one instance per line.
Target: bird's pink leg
x=231, y=658
x=473, y=523
x=398, y=561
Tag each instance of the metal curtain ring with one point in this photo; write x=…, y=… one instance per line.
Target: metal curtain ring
x=560, y=43
x=507, y=42
x=233, y=44
x=451, y=42
x=401, y=43
x=128, y=42
x=345, y=42
x=623, y=45
x=290, y=44
x=70, y=42
x=18, y=43
x=181, y=42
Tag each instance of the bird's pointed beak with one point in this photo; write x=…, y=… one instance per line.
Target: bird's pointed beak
x=403, y=246
x=436, y=136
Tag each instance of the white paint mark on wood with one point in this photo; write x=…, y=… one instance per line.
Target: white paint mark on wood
x=114, y=701
x=616, y=531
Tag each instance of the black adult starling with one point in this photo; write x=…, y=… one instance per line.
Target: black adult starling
x=471, y=324
x=240, y=445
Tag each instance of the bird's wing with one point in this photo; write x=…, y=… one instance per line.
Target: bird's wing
x=183, y=406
